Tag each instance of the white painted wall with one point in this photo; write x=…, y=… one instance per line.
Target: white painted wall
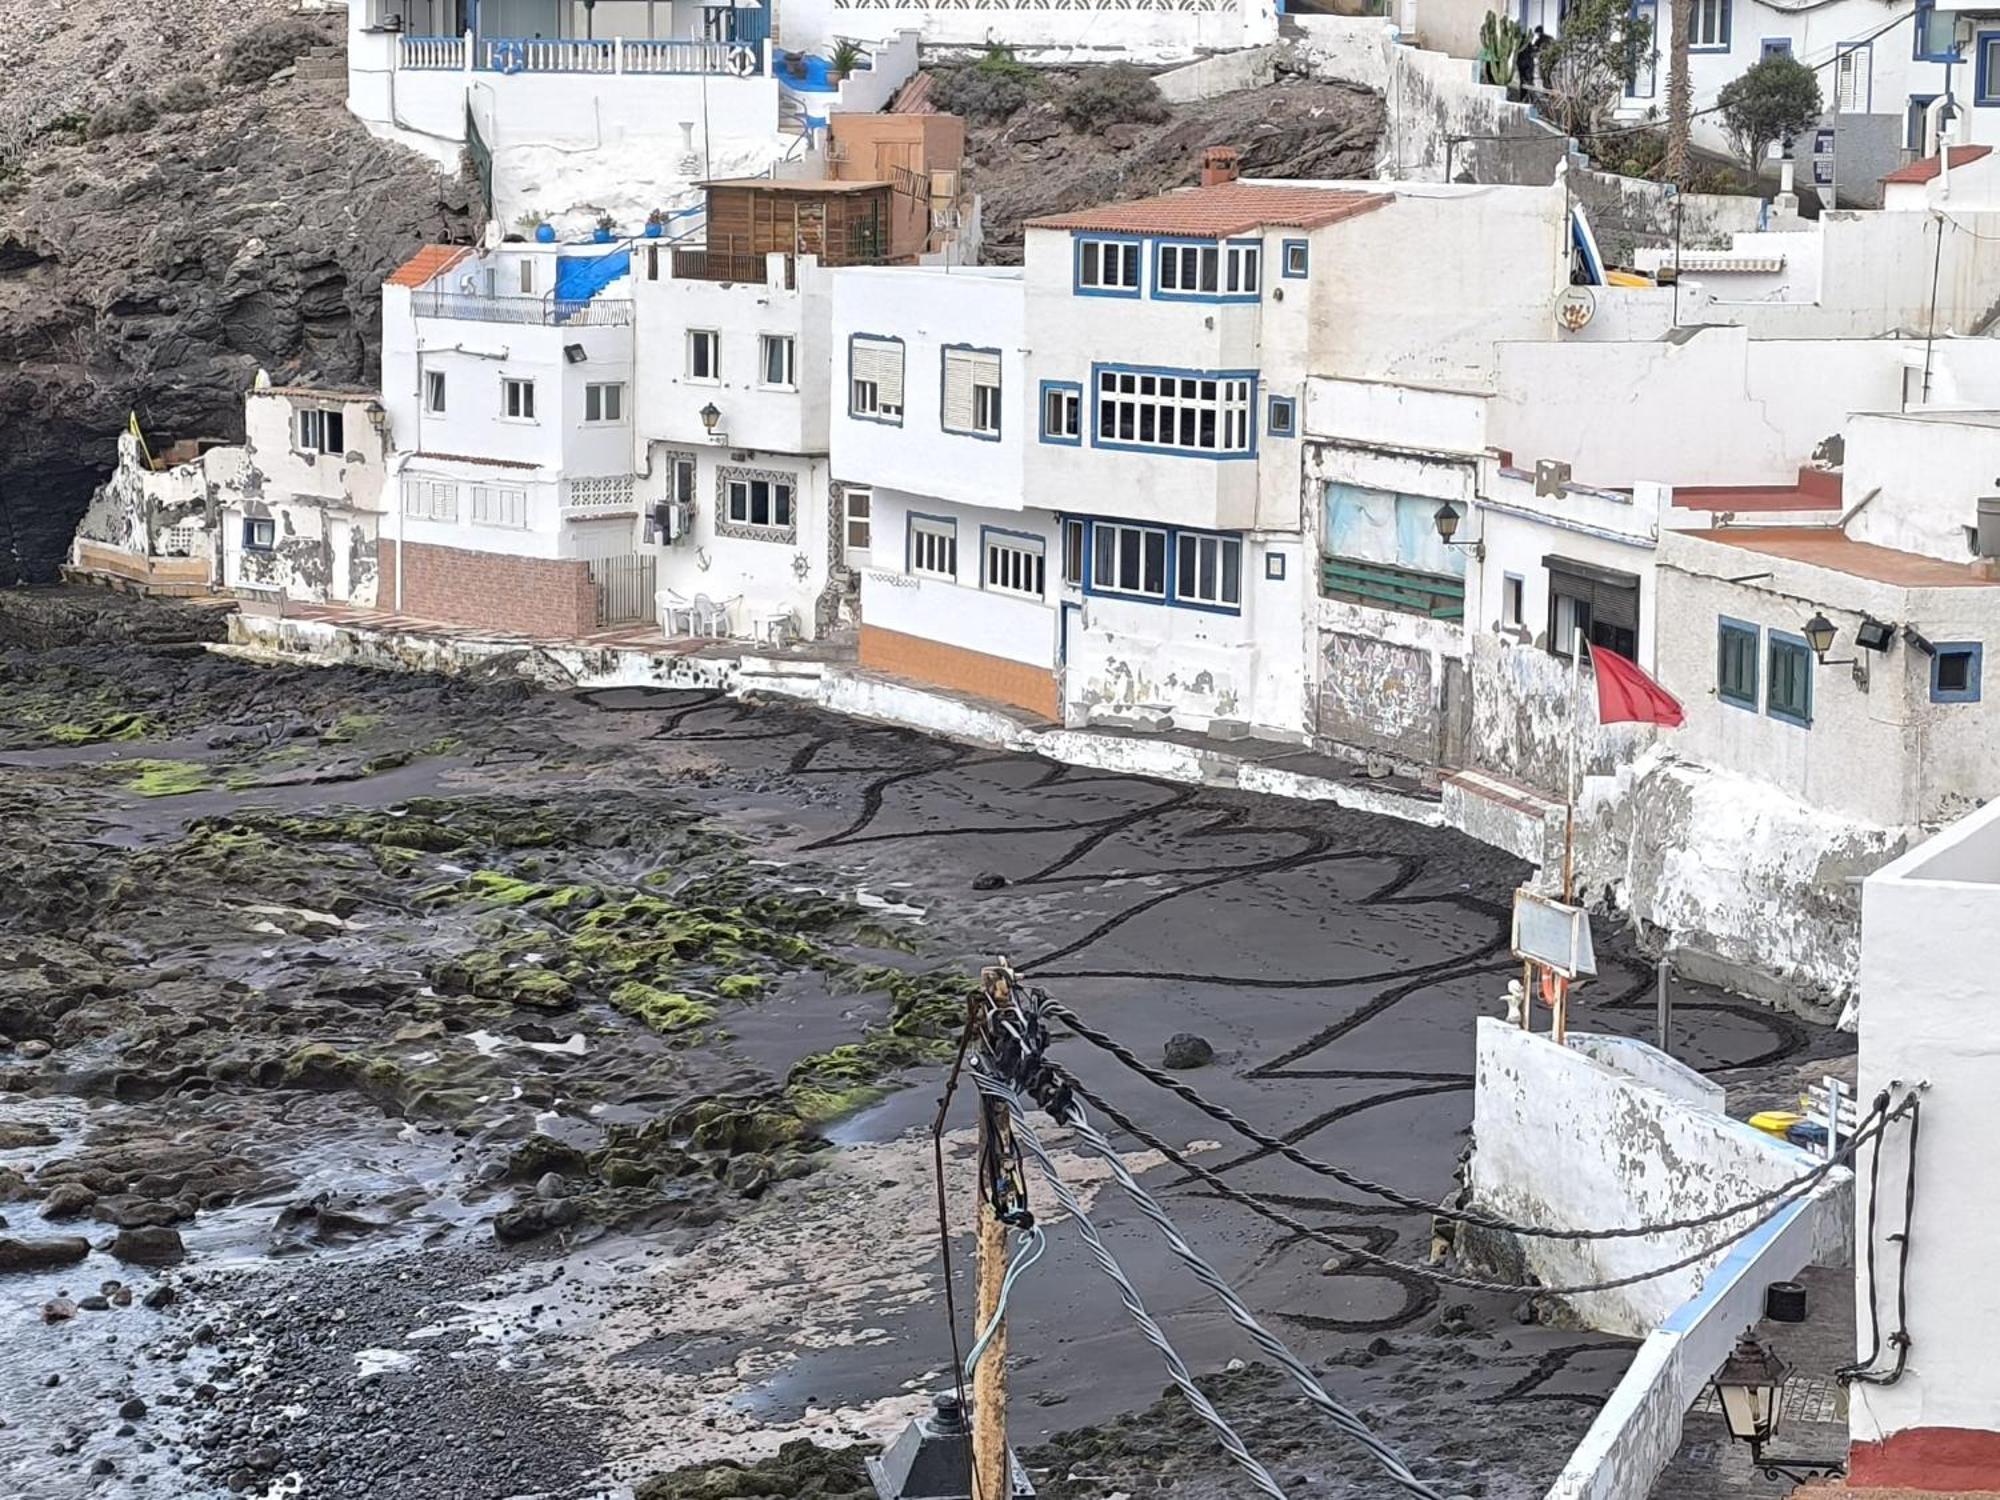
x=1926, y=472
x=1074, y=31
x=1629, y=1154
x=1926, y=1015
x=963, y=613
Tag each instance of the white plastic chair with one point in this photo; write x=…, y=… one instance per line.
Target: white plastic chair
x=710, y=617
x=677, y=613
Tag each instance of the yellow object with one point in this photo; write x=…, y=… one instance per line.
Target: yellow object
x=1626, y=278
x=1776, y=1121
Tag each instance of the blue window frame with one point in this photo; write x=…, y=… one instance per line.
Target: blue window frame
x=260, y=534
x=1644, y=79
x=1207, y=270
x=875, y=378
x=1709, y=25
x=969, y=391
x=1191, y=413
x=1176, y=566
x=1281, y=419
x=1295, y=259
x=1935, y=36
x=1109, y=265
x=1788, y=669
x=1986, y=69
x=930, y=546
x=1736, y=643
x=1913, y=121
x=1062, y=412
x=1774, y=46
x=1955, y=667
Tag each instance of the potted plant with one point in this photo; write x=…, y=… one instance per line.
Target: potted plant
x=606, y=226
x=656, y=223
x=795, y=64
x=847, y=56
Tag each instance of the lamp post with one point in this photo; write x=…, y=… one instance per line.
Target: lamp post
x=1751, y=1387
x=709, y=417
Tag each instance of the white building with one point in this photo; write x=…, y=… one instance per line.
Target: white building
x=614, y=108
x=507, y=379
x=1929, y=1419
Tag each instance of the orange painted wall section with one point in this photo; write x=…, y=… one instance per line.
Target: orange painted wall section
x=961, y=671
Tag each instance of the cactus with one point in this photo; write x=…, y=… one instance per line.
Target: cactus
x=1500, y=39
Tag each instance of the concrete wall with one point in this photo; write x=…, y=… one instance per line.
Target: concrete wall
x=1925, y=472
x=1212, y=77
x=1630, y=1154
x=1071, y=31
x=1927, y=1014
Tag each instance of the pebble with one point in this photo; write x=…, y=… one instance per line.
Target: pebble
x=35, y=1047
x=58, y=1310
x=133, y=1409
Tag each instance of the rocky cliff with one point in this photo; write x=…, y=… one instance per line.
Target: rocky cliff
x=182, y=201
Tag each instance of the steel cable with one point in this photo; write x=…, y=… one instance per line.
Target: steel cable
x=1129, y=1294
x=1270, y=1343
x=1223, y=1115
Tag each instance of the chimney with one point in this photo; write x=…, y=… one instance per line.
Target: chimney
x=1220, y=164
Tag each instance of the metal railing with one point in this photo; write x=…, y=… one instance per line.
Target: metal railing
x=1388, y=587
x=547, y=312
x=729, y=265
x=625, y=588
x=646, y=57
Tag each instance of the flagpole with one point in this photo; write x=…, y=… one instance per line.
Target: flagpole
x=1575, y=744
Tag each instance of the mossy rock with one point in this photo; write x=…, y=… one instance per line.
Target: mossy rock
x=540, y=1154
x=665, y=1011
x=162, y=778
x=801, y=1470
x=118, y=725
x=740, y=986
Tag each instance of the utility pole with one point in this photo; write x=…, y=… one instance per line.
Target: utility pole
x=1680, y=96
x=992, y=1467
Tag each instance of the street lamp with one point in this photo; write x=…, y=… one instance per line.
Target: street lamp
x=1751, y=1387
x=1819, y=635
x=709, y=417
x=1446, y=520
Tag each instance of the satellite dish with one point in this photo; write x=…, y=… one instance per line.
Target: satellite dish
x=1575, y=308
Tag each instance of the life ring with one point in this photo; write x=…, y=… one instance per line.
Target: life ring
x=510, y=57
x=742, y=60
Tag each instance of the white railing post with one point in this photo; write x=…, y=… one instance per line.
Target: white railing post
x=618, y=54
x=769, y=70
x=471, y=60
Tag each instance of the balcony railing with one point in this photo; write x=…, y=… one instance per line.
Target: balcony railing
x=729, y=265
x=617, y=55
x=548, y=312
x=1388, y=587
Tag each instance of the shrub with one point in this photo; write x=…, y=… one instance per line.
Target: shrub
x=137, y=112
x=991, y=89
x=267, y=48
x=184, y=96
x=1104, y=96
x=1767, y=102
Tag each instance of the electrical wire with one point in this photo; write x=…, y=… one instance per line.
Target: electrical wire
x=1129, y=1294
x=958, y=1367
x=1900, y=1339
x=1390, y=1462
x=1033, y=1242
x=1225, y=1116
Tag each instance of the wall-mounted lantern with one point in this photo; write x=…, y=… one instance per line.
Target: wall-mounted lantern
x=1751, y=1388
x=710, y=415
x=1446, y=520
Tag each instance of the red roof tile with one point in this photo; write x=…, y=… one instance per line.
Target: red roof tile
x=1823, y=547
x=1211, y=213
x=428, y=263
x=1929, y=167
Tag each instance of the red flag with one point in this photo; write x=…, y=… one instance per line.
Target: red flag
x=1626, y=695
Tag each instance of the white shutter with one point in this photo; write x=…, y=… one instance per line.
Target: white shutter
x=963, y=369
x=880, y=360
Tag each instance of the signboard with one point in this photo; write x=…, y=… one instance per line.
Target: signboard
x=1554, y=935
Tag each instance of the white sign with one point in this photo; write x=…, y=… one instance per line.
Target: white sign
x=1553, y=935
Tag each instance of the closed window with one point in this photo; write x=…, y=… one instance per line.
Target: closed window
x=499, y=504
x=1955, y=672
x=1283, y=420
x=1241, y=266
x=1788, y=667
x=1297, y=253
x=934, y=547
x=1062, y=413
x=1208, y=570
x=762, y=503
x=1128, y=560
x=875, y=378
x=972, y=392
x=1188, y=269
x=1513, y=601
x=860, y=519
x=604, y=403
x=430, y=499
x=1107, y=266
x=322, y=431
x=778, y=360
x=704, y=354
x=1072, y=553
x=1936, y=35
x=260, y=534
x=1014, y=565
x=517, y=400
x=1189, y=413
x=1708, y=25
x=1736, y=663
x=527, y=265
x=434, y=392
x=1986, y=69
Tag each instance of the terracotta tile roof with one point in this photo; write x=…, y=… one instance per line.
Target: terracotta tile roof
x=428, y=263
x=1930, y=166
x=1210, y=213
x=1823, y=547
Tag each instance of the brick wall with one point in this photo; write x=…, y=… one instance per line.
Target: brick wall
x=537, y=596
x=962, y=671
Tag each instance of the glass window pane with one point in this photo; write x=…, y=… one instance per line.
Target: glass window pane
x=1156, y=562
